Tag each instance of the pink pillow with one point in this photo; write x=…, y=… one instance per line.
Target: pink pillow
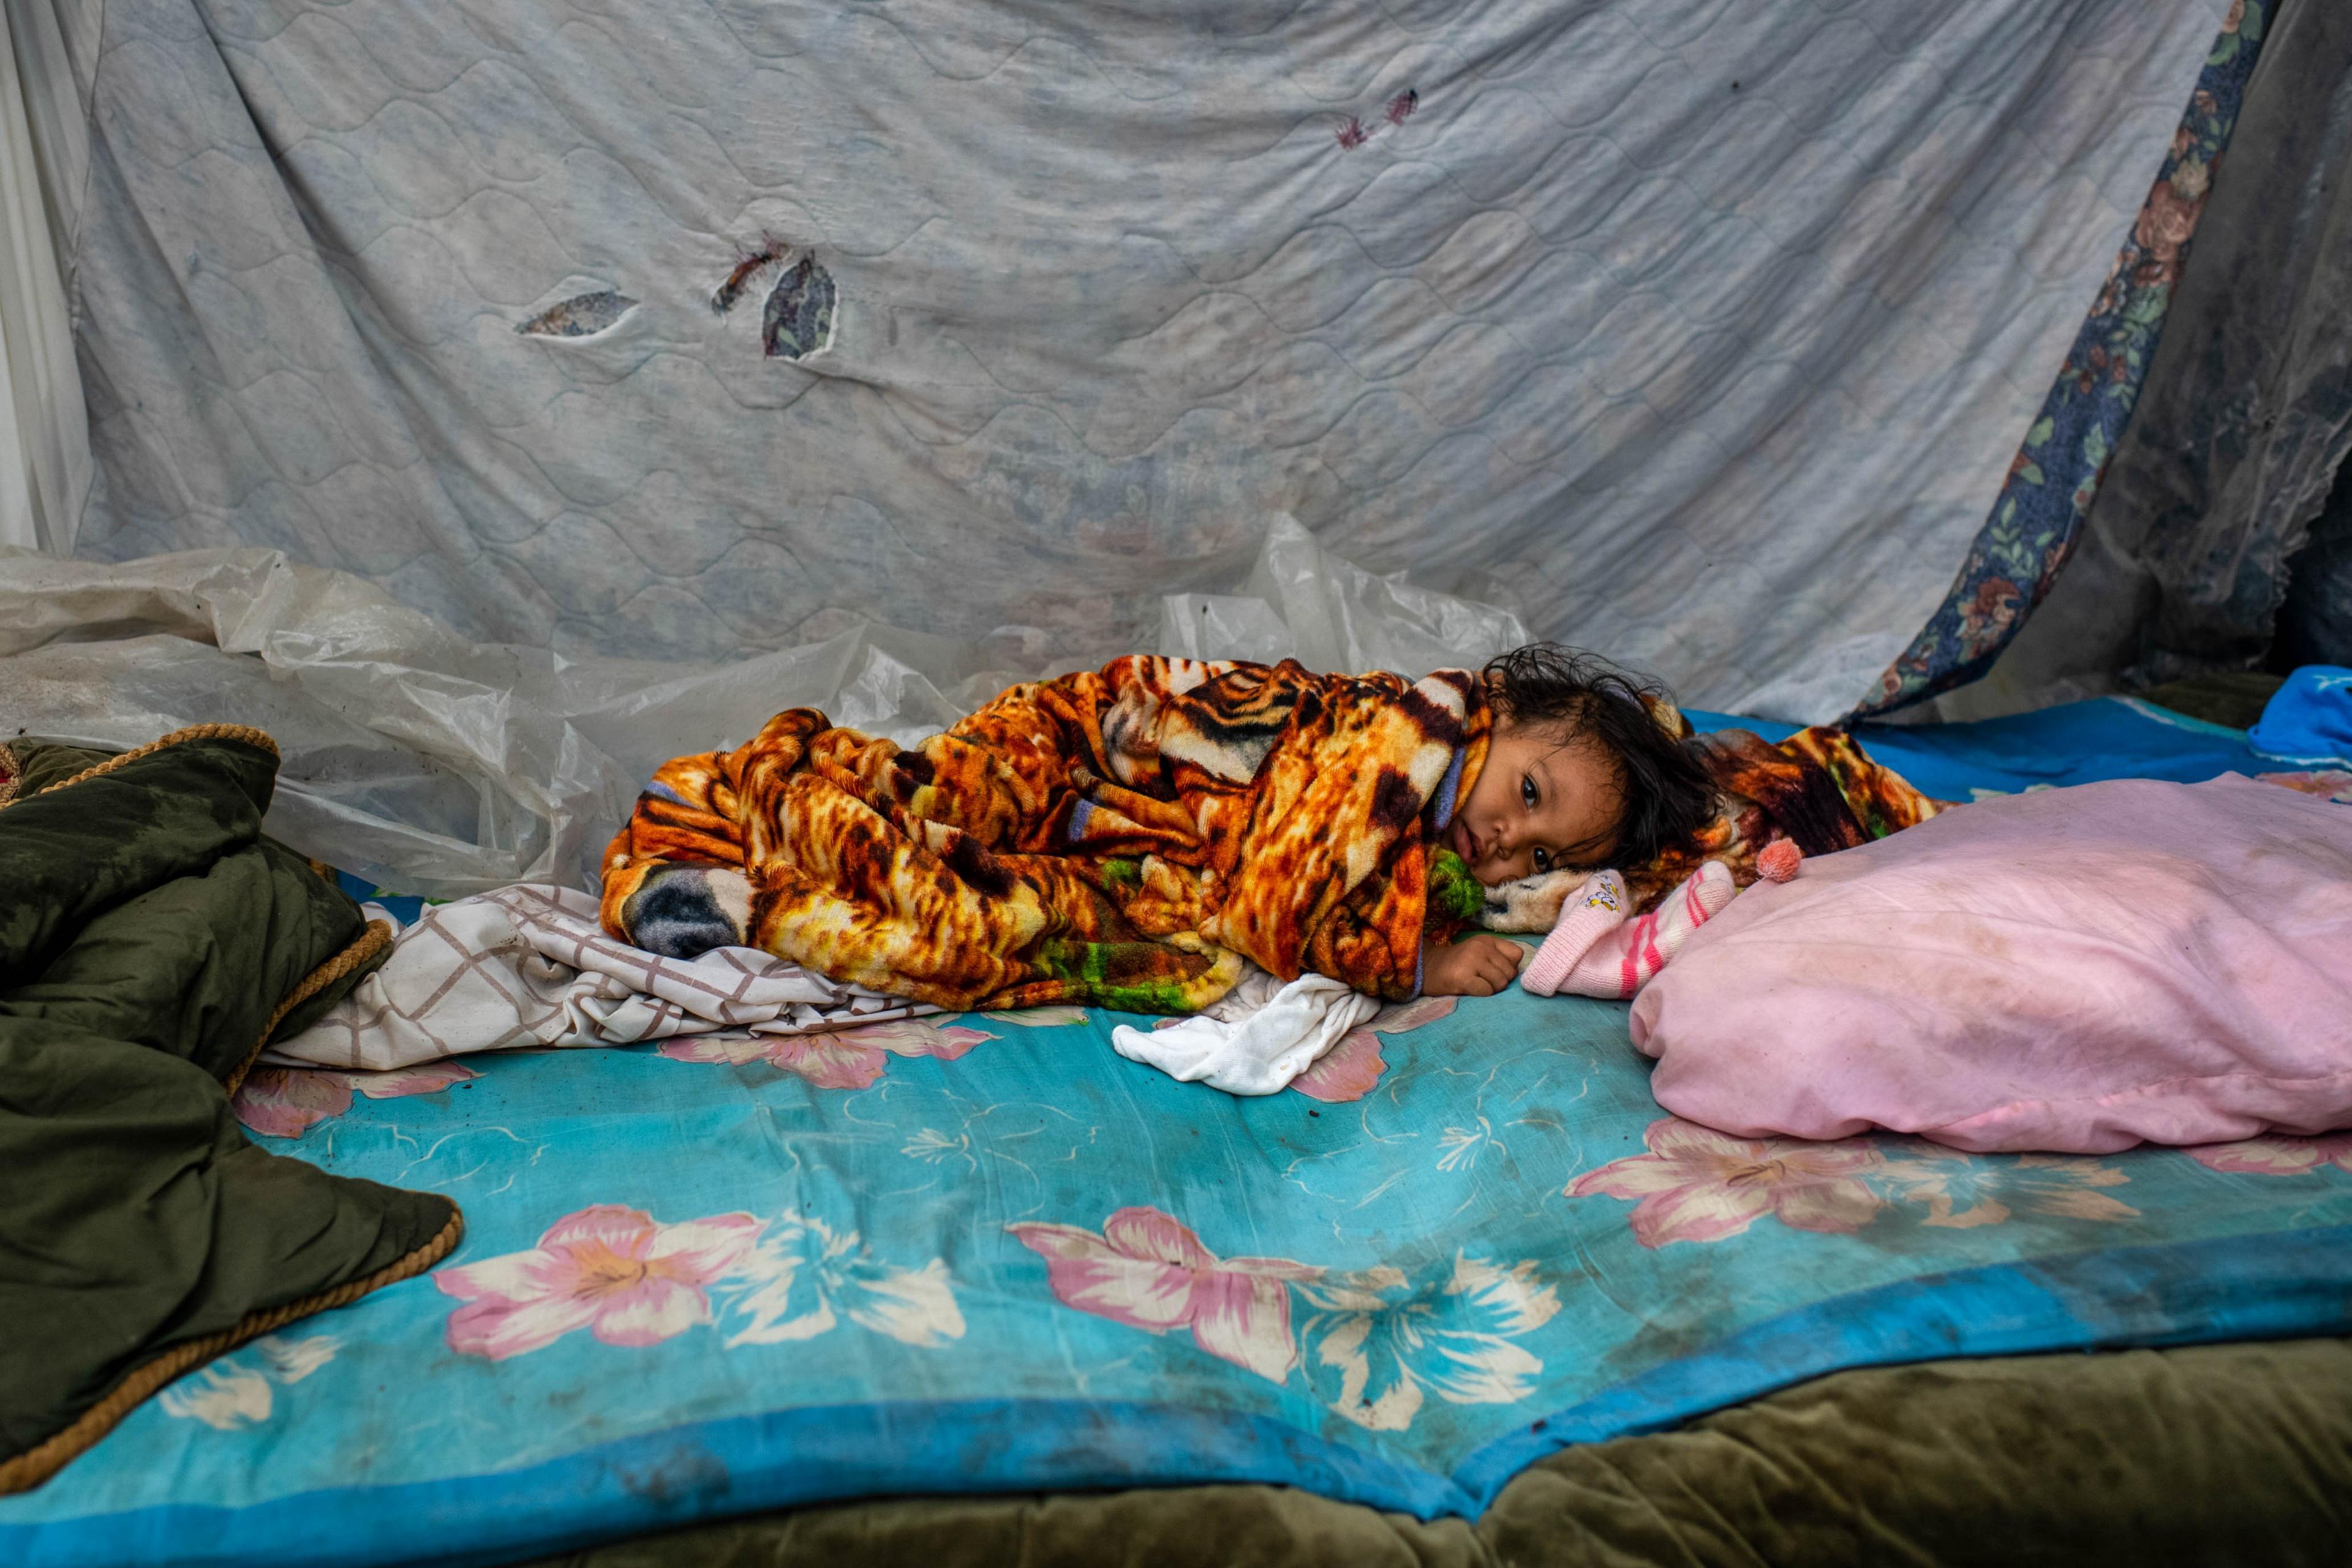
x=2075, y=970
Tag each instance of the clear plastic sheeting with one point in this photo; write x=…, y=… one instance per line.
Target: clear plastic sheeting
x=1304, y=603
x=439, y=766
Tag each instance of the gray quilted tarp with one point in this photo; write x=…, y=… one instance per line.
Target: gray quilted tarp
x=1701, y=332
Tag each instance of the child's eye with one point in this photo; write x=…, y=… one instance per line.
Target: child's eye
x=1543, y=861
x=1527, y=790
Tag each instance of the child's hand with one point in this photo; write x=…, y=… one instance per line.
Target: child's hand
x=1478, y=965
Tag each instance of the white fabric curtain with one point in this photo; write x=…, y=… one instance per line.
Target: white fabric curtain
x=44, y=463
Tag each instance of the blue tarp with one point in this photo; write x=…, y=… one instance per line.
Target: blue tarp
x=2308, y=721
x=2078, y=742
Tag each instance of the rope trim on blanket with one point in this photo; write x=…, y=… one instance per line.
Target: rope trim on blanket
x=371, y=942
x=36, y=1464
x=246, y=733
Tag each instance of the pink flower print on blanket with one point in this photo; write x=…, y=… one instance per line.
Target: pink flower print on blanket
x=1039, y=1017
x=2277, y=1155
x=1349, y=1069
x=2327, y=784
x=1963, y=1191
x=286, y=1103
x=1373, y=1343
x=1148, y=1270
x=843, y=1058
x=608, y=1268
x=1699, y=1185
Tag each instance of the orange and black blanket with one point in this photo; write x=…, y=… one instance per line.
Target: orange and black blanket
x=1818, y=787
x=1126, y=837
x=1123, y=837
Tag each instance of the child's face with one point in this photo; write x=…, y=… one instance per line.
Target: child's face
x=1539, y=804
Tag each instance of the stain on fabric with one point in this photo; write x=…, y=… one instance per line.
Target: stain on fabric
x=748, y=266
x=1353, y=133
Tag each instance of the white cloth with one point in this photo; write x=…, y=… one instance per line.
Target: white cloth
x=1263, y=1035
x=529, y=965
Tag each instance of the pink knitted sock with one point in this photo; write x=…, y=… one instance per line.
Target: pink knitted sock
x=1587, y=917
x=1625, y=955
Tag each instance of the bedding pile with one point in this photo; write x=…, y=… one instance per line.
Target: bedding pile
x=152, y=941
x=528, y=966
x=1034, y=1265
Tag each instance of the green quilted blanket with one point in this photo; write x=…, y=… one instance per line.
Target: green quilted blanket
x=152, y=941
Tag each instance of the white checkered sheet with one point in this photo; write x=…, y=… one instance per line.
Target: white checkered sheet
x=530, y=966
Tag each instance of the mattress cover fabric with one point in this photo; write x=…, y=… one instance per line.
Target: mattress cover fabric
x=1646, y=317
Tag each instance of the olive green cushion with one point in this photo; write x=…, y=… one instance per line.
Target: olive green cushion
x=2220, y=1455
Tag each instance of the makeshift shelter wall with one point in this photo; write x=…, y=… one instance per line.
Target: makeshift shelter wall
x=45, y=460
x=2246, y=420
x=1700, y=333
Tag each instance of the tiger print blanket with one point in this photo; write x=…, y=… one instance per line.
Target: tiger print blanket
x=1818, y=787
x=1125, y=837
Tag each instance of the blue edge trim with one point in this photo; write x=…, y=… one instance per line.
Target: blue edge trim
x=2284, y=1284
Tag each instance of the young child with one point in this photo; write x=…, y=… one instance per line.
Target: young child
x=1586, y=768
x=1127, y=836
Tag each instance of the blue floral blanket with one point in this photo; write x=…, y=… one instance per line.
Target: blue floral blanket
x=985, y=1252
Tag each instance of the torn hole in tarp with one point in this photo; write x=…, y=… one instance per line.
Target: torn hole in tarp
x=798, y=319
x=580, y=316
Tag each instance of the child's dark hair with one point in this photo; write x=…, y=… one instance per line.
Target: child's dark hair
x=1668, y=797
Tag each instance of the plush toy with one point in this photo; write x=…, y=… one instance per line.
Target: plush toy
x=1595, y=950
